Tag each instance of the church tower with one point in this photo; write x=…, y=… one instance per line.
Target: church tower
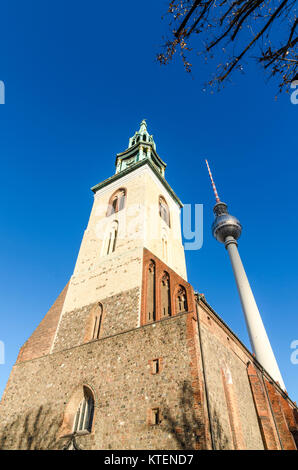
x=133, y=210
x=130, y=356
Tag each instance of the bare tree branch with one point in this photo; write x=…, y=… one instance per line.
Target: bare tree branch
x=230, y=23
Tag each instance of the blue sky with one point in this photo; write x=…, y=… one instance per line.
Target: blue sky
x=79, y=78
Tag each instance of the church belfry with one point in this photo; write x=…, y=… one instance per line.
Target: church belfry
x=140, y=147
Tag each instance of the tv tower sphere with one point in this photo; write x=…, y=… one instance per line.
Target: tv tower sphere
x=225, y=225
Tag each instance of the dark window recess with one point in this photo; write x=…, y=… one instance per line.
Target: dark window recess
x=155, y=366
x=155, y=416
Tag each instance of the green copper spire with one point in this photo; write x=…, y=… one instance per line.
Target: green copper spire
x=140, y=147
x=142, y=135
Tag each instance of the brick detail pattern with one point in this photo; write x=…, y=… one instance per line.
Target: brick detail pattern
x=285, y=435
x=40, y=342
x=266, y=422
x=175, y=282
x=277, y=417
x=200, y=416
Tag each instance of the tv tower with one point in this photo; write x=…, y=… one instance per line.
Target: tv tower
x=227, y=229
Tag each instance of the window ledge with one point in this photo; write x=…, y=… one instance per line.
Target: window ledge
x=74, y=434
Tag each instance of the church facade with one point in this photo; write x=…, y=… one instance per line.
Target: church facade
x=130, y=356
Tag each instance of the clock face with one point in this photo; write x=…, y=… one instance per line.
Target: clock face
x=129, y=161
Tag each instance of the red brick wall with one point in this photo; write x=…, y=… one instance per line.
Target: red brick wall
x=266, y=423
x=200, y=416
x=198, y=386
x=175, y=281
x=276, y=415
x=40, y=342
x=286, y=436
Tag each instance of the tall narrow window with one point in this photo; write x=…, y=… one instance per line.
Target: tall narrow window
x=155, y=366
x=150, y=307
x=164, y=210
x=112, y=238
x=155, y=416
x=97, y=319
x=165, y=296
x=84, y=415
x=116, y=202
x=115, y=239
x=181, y=300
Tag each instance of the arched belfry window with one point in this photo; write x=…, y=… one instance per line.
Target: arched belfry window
x=181, y=300
x=111, y=239
x=84, y=414
x=165, y=296
x=164, y=210
x=150, y=294
x=116, y=202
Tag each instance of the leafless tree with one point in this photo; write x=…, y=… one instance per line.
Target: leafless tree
x=231, y=29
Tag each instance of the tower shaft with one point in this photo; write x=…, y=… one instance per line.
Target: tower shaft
x=258, y=337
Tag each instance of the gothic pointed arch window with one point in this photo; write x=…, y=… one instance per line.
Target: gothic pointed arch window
x=150, y=294
x=165, y=296
x=181, y=300
x=164, y=211
x=116, y=202
x=84, y=415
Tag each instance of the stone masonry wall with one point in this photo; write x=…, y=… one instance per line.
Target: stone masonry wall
x=222, y=357
x=120, y=313
x=248, y=409
x=118, y=369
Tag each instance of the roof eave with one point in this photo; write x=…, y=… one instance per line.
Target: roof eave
x=146, y=161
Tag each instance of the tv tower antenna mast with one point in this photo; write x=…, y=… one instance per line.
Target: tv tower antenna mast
x=227, y=229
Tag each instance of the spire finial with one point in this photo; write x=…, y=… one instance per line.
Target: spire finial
x=212, y=182
x=143, y=125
